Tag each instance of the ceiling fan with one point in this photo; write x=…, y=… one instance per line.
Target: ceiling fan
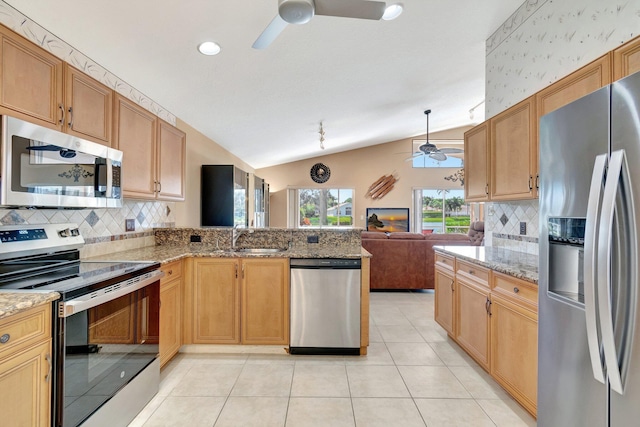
x=301, y=12
x=431, y=150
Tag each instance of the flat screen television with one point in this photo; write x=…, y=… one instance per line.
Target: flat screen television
x=388, y=220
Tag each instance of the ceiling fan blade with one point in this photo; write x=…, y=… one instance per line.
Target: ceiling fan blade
x=270, y=33
x=438, y=156
x=451, y=150
x=351, y=8
x=414, y=156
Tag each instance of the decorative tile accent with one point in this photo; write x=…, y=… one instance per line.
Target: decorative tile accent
x=140, y=217
x=92, y=219
x=12, y=218
x=507, y=234
x=38, y=35
x=504, y=219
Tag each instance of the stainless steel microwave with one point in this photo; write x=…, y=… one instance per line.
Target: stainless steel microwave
x=41, y=167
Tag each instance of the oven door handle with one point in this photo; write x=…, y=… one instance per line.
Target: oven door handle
x=96, y=298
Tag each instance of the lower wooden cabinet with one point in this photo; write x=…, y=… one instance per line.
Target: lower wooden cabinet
x=170, y=311
x=25, y=368
x=234, y=301
x=473, y=315
x=514, y=339
x=444, y=285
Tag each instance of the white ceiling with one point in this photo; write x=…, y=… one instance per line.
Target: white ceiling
x=368, y=81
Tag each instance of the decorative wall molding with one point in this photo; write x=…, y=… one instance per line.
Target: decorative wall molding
x=22, y=25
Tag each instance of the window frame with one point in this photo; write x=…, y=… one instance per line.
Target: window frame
x=293, y=208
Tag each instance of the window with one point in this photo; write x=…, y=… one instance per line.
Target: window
x=319, y=207
x=452, y=161
x=442, y=211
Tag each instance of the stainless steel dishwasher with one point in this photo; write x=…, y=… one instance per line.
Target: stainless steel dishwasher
x=325, y=306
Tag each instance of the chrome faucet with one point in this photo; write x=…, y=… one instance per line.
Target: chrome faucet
x=235, y=234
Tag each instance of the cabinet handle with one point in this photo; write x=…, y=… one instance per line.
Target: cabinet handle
x=5, y=338
x=516, y=290
x=62, y=111
x=538, y=181
x=530, y=183
x=48, y=358
x=170, y=272
x=452, y=288
x=486, y=189
x=472, y=272
x=487, y=306
x=70, y=117
x=236, y=271
x=159, y=187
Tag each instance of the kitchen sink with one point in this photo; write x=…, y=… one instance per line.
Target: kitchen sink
x=259, y=250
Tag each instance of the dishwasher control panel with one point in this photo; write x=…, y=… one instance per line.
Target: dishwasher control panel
x=349, y=263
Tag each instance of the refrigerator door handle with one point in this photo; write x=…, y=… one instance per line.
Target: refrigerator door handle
x=618, y=171
x=590, y=263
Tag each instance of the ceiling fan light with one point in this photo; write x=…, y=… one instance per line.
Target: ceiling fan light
x=209, y=48
x=392, y=11
x=296, y=11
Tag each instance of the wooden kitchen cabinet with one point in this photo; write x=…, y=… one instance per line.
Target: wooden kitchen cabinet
x=30, y=81
x=265, y=301
x=514, y=152
x=215, y=300
x=25, y=368
x=514, y=337
x=473, y=311
x=172, y=150
x=626, y=59
x=170, y=311
x=476, y=163
x=134, y=133
x=88, y=107
x=444, y=286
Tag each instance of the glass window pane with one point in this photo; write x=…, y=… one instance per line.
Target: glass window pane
x=457, y=213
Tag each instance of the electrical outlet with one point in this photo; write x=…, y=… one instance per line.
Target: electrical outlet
x=523, y=228
x=195, y=238
x=312, y=239
x=130, y=225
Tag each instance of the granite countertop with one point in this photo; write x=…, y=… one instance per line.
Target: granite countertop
x=168, y=253
x=15, y=301
x=517, y=264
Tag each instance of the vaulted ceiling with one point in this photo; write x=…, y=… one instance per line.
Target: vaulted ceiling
x=367, y=81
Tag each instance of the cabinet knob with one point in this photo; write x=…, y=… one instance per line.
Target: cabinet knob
x=516, y=290
x=472, y=272
x=5, y=338
x=170, y=272
x=62, y=111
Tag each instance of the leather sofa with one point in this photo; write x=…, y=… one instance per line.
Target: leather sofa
x=406, y=260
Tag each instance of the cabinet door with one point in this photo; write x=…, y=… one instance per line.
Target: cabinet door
x=30, y=81
x=89, y=106
x=514, y=152
x=476, y=163
x=170, y=319
x=25, y=387
x=626, y=59
x=216, y=302
x=444, y=301
x=472, y=324
x=172, y=147
x=514, y=350
x=135, y=135
x=265, y=301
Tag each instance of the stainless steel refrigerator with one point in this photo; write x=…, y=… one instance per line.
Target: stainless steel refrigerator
x=589, y=343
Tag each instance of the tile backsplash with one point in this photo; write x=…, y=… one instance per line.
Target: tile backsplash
x=502, y=225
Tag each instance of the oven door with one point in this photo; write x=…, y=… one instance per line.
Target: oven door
x=105, y=340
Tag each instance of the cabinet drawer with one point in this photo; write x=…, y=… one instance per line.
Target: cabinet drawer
x=444, y=261
x=171, y=271
x=468, y=269
x=517, y=290
x=25, y=329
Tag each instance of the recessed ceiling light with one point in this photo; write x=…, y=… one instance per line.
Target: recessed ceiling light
x=209, y=48
x=392, y=11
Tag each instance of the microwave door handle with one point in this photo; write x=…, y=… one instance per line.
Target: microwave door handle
x=590, y=263
x=618, y=172
x=109, y=179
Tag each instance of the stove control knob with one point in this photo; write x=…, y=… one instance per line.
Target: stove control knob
x=75, y=232
x=65, y=233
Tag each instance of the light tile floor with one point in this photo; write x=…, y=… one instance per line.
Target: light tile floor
x=413, y=376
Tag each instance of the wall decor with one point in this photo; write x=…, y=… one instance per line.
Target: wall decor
x=320, y=173
x=381, y=187
x=388, y=220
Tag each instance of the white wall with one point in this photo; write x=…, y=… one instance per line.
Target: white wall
x=543, y=41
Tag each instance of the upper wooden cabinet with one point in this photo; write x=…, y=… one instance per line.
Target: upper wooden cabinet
x=30, y=81
x=134, y=133
x=88, y=105
x=514, y=152
x=626, y=59
x=591, y=77
x=476, y=163
x=172, y=149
